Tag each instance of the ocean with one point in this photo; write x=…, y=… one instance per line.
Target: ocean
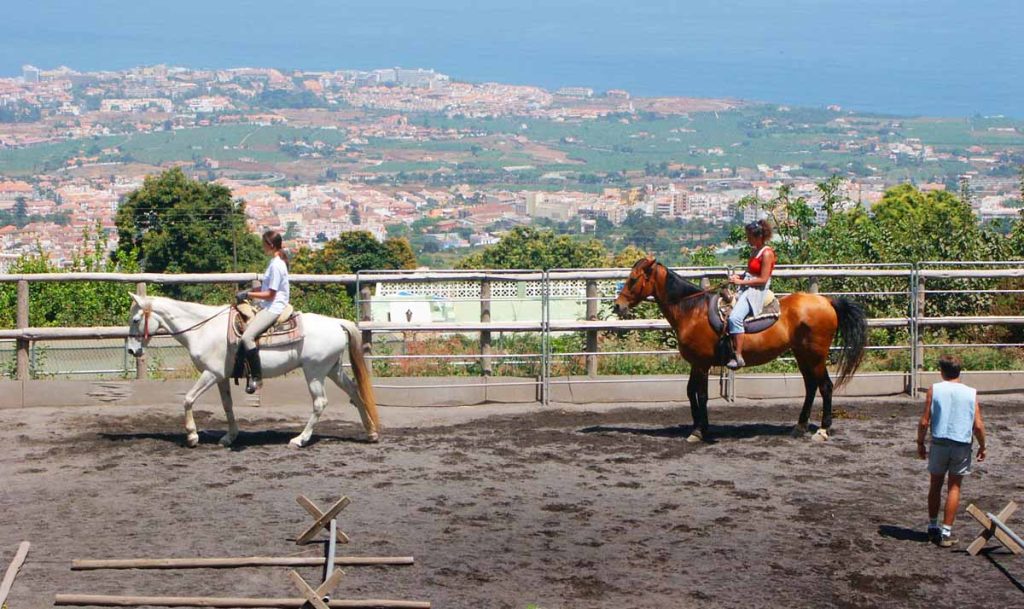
x=913, y=57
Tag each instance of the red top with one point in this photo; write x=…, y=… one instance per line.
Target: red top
x=754, y=266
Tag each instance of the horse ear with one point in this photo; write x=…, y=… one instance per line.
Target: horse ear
x=136, y=298
x=646, y=264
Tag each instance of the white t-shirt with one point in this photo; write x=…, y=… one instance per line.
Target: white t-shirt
x=276, y=278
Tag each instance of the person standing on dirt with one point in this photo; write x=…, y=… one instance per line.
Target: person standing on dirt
x=952, y=413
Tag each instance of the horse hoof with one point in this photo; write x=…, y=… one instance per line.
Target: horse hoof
x=373, y=438
x=192, y=440
x=296, y=443
x=695, y=438
x=821, y=435
x=798, y=431
x=227, y=441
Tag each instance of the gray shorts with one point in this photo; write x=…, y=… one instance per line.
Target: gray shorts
x=951, y=457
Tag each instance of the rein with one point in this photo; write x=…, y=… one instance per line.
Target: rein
x=700, y=293
x=148, y=310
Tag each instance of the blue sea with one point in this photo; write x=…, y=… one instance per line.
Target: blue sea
x=918, y=57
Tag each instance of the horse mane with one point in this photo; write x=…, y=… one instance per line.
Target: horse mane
x=194, y=308
x=678, y=291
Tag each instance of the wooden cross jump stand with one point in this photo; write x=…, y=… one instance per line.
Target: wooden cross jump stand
x=995, y=526
x=323, y=519
x=316, y=597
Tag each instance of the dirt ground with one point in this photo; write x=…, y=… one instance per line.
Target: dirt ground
x=511, y=506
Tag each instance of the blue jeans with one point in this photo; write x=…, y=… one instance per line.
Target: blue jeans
x=740, y=310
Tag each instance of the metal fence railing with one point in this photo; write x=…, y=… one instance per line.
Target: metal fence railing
x=546, y=328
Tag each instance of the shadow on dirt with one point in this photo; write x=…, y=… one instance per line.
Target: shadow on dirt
x=243, y=441
x=902, y=533
x=715, y=432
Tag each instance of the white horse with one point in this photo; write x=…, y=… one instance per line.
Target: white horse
x=203, y=330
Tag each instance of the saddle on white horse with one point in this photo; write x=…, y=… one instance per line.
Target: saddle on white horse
x=721, y=306
x=286, y=330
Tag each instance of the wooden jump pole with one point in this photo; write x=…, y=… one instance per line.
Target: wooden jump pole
x=12, y=571
x=233, y=562
x=100, y=600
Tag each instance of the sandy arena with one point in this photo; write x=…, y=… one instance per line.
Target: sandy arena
x=512, y=506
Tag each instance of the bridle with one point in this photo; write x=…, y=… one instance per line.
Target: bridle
x=147, y=311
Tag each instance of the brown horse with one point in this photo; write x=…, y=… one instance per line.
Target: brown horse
x=807, y=326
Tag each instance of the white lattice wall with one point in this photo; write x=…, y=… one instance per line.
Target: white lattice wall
x=460, y=290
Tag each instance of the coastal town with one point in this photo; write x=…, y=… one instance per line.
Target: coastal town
x=316, y=154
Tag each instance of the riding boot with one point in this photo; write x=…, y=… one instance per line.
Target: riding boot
x=239, y=368
x=735, y=363
x=255, y=371
x=737, y=360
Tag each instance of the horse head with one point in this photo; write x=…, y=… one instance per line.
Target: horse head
x=639, y=286
x=142, y=324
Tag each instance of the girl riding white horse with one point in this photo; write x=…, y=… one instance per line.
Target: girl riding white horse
x=203, y=329
x=273, y=296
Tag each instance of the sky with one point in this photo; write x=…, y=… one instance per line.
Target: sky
x=950, y=57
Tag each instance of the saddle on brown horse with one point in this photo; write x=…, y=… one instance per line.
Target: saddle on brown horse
x=719, y=309
x=721, y=306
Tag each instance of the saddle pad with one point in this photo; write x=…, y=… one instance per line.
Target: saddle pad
x=284, y=332
x=752, y=325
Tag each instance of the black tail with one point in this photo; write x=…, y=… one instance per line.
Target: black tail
x=853, y=335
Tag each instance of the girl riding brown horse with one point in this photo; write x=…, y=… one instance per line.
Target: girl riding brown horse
x=807, y=326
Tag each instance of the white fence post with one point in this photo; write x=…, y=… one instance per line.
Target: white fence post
x=485, y=335
x=21, y=322
x=591, y=311
x=366, y=314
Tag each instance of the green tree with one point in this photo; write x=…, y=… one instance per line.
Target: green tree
x=626, y=257
x=1015, y=239
x=526, y=247
x=401, y=229
x=174, y=224
x=831, y=199
x=703, y=256
x=355, y=251
x=913, y=226
x=20, y=212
